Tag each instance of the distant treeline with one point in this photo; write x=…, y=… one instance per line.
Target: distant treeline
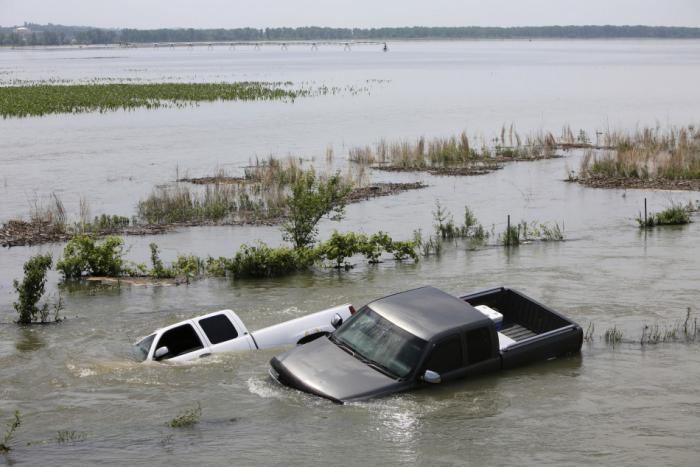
x=50, y=34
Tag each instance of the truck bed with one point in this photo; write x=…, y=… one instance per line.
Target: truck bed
x=538, y=331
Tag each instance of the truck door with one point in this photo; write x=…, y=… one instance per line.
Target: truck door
x=481, y=351
x=183, y=343
x=223, y=335
x=447, y=358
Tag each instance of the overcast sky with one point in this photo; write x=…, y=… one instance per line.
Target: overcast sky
x=348, y=13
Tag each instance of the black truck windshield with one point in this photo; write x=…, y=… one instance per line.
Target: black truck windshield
x=378, y=341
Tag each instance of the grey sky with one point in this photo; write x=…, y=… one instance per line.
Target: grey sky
x=348, y=13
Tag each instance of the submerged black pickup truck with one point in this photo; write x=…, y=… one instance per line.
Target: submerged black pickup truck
x=426, y=336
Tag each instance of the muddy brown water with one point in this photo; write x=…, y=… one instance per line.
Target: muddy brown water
x=627, y=405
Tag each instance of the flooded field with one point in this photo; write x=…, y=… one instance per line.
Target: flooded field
x=628, y=405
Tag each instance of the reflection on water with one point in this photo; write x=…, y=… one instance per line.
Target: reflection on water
x=29, y=339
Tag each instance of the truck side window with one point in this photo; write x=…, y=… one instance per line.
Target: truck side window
x=218, y=328
x=179, y=340
x=446, y=356
x=478, y=345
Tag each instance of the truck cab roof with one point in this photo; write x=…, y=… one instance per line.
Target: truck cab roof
x=427, y=312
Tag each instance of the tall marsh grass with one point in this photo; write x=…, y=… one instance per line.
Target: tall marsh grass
x=648, y=153
x=456, y=150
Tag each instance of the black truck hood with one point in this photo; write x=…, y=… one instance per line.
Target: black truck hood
x=322, y=368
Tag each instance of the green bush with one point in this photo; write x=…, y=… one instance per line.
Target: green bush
x=375, y=245
x=342, y=246
x=217, y=267
x=260, y=261
x=31, y=289
x=404, y=250
x=188, y=266
x=83, y=257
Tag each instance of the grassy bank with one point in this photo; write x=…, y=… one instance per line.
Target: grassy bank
x=44, y=99
x=647, y=158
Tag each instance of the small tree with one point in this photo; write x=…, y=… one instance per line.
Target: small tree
x=31, y=289
x=312, y=199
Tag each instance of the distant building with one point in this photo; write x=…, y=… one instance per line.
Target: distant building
x=23, y=31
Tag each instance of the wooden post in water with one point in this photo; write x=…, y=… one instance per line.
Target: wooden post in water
x=645, y=212
x=508, y=232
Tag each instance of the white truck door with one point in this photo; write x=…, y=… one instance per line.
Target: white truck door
x=225, y=333
x=183, y=343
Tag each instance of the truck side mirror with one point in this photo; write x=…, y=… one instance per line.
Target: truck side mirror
x=431, y=377
x=336, y=321
x=161, y=352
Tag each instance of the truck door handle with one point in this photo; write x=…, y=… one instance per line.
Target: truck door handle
x=204, y=355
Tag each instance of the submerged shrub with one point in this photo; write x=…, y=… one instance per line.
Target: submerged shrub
x=12, y=426
x=217, y=267
x=404, y=250
x=373, y=246
x=31, y=289
x=259, y=261
x=342, y=246
x=82, y=256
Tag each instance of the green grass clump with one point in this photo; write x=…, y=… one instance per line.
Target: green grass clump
x=187, y=418
x=675, y=215
x=70, y=436
x=45, y=99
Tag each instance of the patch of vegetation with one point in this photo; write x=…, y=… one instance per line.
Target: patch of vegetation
x=69, y=436
x=262, y=261
x=342, y=246
x=613, y=336
x=45, y=99
x=648, y=158
x=83, y=256
x=31, y=290
x=373, y=246
x=105, y=223
x=674, y=215
x=187, y=418
x=12, y=426
x=443, y=155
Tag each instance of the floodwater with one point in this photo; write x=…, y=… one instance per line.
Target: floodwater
x=627, y=405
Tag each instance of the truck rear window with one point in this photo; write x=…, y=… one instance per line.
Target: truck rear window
x=218, y=329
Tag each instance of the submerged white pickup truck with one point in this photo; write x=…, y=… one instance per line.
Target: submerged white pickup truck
x=223, y=331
